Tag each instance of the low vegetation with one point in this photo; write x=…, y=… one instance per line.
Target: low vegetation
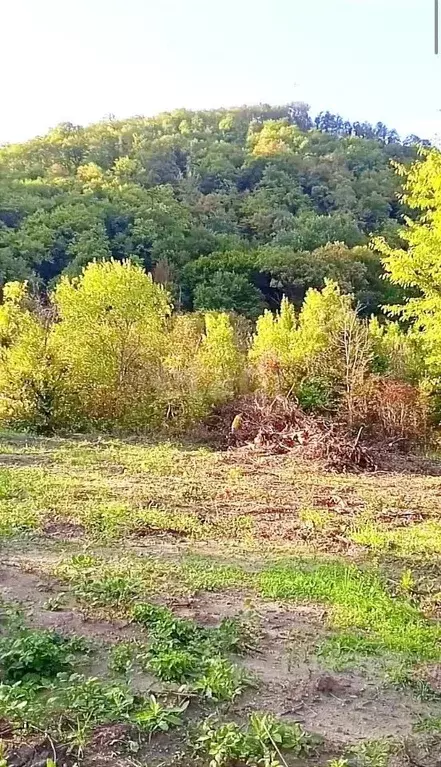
x=147, y=617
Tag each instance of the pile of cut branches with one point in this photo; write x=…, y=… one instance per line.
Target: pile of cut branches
x=279, y=425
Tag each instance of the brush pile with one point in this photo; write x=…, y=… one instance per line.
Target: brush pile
x=280, y=426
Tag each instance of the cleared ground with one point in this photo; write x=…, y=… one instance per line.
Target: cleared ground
x=303, y=595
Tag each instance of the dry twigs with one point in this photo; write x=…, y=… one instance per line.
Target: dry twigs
x=279, y=426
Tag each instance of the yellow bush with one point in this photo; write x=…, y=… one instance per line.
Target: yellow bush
x=110, y=337
x=322, y=353
x=31, y=389
x=204, y=366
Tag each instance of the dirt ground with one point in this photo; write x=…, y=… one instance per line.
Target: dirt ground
x=246, y=509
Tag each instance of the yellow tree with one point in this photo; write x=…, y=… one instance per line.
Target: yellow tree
x=417, y=267
x=110, y=337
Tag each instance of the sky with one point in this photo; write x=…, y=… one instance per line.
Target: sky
x=80, y=60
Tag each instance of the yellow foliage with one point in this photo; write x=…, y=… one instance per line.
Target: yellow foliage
x=113, y=357
x=287, y=350
x=276, y=137
x=29, y=376
x=110, y=339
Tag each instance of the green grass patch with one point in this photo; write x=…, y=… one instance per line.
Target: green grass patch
x=345, y=650
x=424, y=538
x=359, y=599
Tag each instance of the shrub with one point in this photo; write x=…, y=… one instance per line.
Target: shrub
x=397, y=353
x=322, y=356
x=221, y=365
x=394, y=409
x=110, y=338
x=203, y=366
x=31, y=381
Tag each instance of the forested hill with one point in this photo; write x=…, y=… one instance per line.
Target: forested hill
x=230, y=208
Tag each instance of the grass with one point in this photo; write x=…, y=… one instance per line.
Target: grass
x=162, y=525
x=424, y=538
x=358, y=598
x=116, y=489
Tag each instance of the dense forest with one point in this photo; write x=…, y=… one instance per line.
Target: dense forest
x=230, y=209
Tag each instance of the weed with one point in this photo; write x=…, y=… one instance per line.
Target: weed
x=206, y=575
x=405, y=677
x=261, y=742
x=222, y=680
x=165, y=627
x=122, y=657
x=373, y=753
x=173, y=665
x=35, y=653
x=119, y=583
x=430, y=724
x=55, y=603
x=238, y=634
x=154, y=717
x=181, y=651
x=407, y=581
x=21, y=704
x=318, y=519
x=359, y=599
x=72, y=706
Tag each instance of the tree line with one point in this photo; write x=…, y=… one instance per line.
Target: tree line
x=230, y=210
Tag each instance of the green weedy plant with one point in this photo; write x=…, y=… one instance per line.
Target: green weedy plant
x=221, y=680
x=172, y=665
x=122, y=657
x=222, y=742
x=181, y=651
x=156, y=718
x=73, y=705
x=373, y=753
x=404, y=677
x=36, y=653
x=237, y=634
x=164, y=626
x=21, y=704
x=258, y=744
x=114, y=590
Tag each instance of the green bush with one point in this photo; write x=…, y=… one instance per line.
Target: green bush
x=35, y=653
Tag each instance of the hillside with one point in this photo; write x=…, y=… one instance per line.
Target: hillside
x=230, y=208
